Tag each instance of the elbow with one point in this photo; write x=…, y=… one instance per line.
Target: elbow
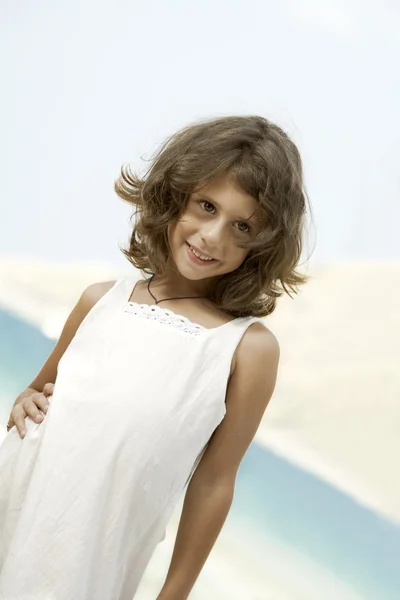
x=212, y=481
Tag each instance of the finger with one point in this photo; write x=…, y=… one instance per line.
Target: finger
x=40, y=400
x=48, y=389
x=19, y=415
x=32, y=404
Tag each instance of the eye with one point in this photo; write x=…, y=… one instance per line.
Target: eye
x=247, y=227
x=205, y=202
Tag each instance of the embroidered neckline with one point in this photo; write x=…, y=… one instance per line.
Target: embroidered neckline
x=167, y=316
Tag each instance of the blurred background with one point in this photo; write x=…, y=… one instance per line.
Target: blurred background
x=88, y=86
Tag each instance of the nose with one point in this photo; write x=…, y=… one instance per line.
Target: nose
x=212, y=235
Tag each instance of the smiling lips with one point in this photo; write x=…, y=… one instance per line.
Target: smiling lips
x=195, y=253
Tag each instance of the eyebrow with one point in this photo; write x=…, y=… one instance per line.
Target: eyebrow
x=208, y=198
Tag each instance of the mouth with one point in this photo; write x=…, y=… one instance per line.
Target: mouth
x=199, y=256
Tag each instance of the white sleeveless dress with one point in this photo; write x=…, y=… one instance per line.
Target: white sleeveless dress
x=86, y=496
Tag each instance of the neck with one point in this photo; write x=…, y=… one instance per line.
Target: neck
x=172, y=283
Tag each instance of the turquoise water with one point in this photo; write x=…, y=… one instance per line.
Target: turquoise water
x=272, y=496
x=355, y=543
x=23, y=350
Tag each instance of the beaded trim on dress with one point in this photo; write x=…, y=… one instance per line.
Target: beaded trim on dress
x=165, y=316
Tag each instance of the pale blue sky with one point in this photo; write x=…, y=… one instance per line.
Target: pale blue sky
x=90, y=85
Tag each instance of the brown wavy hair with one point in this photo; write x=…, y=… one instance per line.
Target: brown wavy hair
x=266, y=164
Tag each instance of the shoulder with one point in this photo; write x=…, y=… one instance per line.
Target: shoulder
x=92, y=294
x=256, y=369
x=258, y=348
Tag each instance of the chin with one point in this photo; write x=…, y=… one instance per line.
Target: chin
x=191, y=275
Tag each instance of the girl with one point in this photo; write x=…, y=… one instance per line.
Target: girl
x=159, y=380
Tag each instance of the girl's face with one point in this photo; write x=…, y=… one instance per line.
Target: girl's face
x=215, y=221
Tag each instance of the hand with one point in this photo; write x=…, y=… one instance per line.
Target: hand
x=30, y=406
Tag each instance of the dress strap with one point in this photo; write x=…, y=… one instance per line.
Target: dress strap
x=233, y=333
x=117, y=295
x=133, y=281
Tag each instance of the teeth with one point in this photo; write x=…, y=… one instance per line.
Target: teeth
x=199, y=255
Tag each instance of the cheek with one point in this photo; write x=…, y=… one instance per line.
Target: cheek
x=238, y=255
x=236, y=252
x=185, y=224
x=173, y=235
x=177, y=232
x=241, y=256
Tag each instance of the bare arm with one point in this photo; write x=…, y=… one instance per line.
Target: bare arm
x=211, y=490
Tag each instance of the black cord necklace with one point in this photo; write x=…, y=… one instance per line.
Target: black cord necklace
x=164, y=299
